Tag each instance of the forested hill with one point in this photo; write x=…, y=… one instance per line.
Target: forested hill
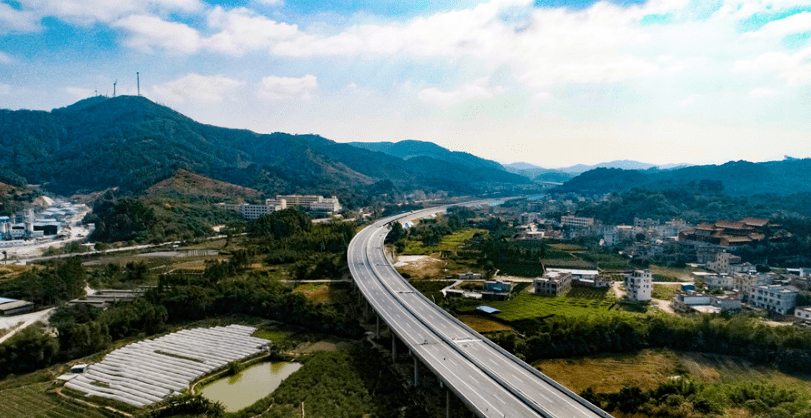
x=410, y=148
x=132, y=143
x=734, y=178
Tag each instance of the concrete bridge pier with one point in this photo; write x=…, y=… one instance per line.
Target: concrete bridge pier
x=447, y=403
x=416, y=371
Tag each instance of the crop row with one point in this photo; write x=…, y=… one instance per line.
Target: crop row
x=33, y=401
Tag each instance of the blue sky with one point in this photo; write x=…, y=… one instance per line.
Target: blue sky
x=550, y=82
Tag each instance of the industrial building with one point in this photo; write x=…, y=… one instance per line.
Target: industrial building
x=308, y=202
x=10, y=307
x=48, y=222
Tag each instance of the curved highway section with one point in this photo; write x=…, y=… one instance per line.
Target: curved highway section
x=491, y=381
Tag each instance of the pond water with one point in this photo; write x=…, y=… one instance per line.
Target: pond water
x=250, y=385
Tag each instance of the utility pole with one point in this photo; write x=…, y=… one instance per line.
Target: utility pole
x=114, y=83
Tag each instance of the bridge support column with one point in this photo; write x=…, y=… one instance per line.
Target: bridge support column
x=393, y=347
x=447, y=403
x=416, y=371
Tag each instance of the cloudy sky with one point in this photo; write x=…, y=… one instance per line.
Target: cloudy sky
x=549, y=82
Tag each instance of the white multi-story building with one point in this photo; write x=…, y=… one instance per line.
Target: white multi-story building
x=576, y=222
x=723, y=262
x=647, y=223
x=253, y=212
x=311, y=202
x=639, y=285
x=553, y=283
x=776, y=298
x=746, y=282
x=327, y=204
x=719, y=280
x=803, y=313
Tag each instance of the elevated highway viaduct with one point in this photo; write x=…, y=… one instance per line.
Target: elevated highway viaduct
x=489, y=380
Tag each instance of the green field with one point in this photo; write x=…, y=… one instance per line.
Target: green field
x=566, y=247
x=669, y=274
x=527, y=306
x=664, y=291
x=34, y=401
x=450, y=242
x=607, y=261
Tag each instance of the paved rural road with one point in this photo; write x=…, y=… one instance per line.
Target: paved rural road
x=492, y=382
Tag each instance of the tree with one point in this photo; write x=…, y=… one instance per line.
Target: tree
x=281, y=224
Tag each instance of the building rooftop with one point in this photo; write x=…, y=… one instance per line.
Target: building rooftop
x=487, y=309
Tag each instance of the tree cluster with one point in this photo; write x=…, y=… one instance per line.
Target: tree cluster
x=788, y=348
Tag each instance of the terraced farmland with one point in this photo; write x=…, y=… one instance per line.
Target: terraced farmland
x=33, y=401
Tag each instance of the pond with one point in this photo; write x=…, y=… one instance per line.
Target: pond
x=250, y=385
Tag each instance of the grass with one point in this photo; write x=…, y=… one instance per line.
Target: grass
x=670, y=274
x=483, y=325
x=528, y=306
x=566, y=247
x=664, y=291
x=316, y=292
x=431, y=288
x=279, y=335
x=351, y=383
x=609, y=373
x=36, y=401
x=608, y=261
x=648, y=368
x=568, y=263
x=450, y=242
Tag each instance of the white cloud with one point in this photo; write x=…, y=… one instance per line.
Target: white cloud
x=277, y=88
x=691, y=100
x=545, y=47
x=5, y=58
x=242, y=29
x=478, y=90
x=234, y=32
x=276, y=3
x=12, y=19
x=762, y=92
x=794, y=68
x=196, y=87
x=5, y=89
x=149, y=32
x=798, y=23
x=90, y=11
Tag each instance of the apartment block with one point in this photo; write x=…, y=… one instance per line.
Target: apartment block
x=639, y=285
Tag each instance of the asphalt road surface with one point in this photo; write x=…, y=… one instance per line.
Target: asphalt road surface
x=492, y=382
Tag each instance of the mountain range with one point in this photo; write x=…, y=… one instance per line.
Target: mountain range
x=132, y=143
x=735, y=178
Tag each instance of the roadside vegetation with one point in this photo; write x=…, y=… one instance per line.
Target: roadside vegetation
x=347, y=383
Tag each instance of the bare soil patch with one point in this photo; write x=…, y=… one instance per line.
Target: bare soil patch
x=482, y=325
x=421, y=267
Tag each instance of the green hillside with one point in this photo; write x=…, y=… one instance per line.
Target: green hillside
x=735, y=178
x=132, y=143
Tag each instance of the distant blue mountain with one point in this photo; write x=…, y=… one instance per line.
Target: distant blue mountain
x=410, y=148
